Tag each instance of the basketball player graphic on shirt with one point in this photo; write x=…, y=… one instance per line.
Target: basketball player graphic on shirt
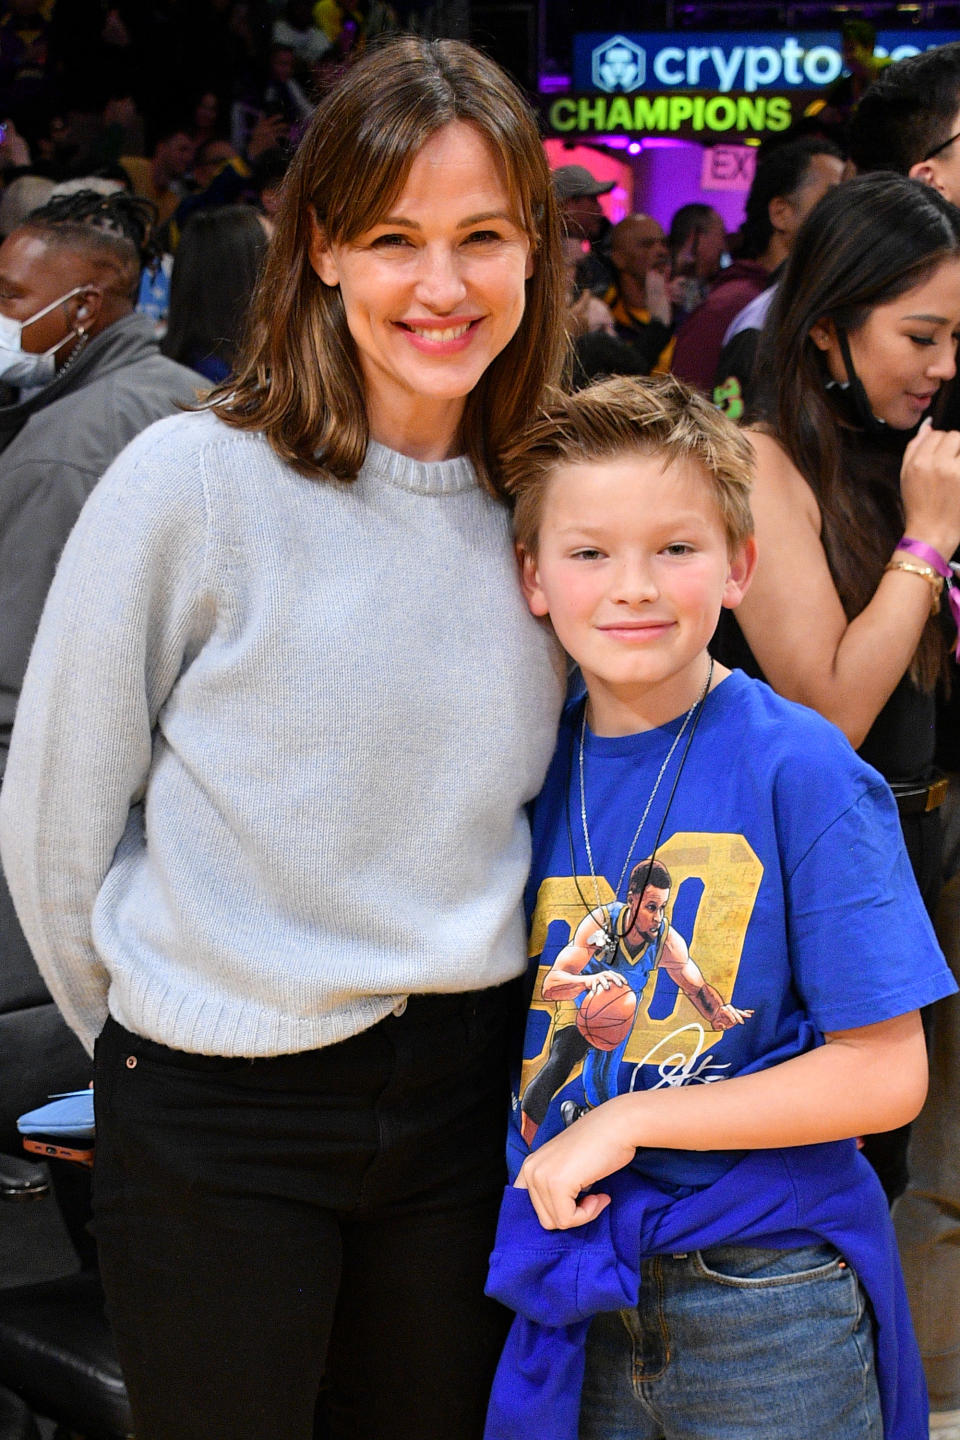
x=616, y=947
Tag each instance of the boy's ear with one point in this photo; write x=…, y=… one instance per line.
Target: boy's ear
x=743, y=563
x=321, y=256
x=530, y=582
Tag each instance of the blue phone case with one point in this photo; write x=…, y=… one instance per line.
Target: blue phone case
x=65, y=1115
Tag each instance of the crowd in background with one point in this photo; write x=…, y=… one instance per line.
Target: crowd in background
x=191, y=108
x=198, y=110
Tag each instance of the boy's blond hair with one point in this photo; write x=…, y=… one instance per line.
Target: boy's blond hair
x=652, y=416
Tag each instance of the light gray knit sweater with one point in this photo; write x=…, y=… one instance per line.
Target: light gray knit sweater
x=273, y=746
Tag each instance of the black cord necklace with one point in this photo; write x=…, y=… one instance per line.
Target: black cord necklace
x=693, y=714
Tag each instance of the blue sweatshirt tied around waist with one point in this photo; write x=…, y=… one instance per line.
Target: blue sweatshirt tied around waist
x=557, y=1281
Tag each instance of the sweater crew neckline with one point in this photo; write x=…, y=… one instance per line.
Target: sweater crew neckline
x=426, y=477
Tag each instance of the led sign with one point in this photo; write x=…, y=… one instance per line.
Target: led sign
x=726, y=61
x=695, y=115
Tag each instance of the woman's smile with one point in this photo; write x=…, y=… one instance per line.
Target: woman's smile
x=441, y=336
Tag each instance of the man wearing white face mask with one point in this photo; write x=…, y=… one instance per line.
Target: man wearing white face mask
x=81, y=375
x=84, y=375
x=33, y=370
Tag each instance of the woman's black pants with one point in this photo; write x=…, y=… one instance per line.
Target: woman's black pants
x=301, y=1241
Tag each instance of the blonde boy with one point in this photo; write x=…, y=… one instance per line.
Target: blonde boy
x=729, y=954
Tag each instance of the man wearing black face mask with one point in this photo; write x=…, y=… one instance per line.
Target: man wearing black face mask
x=81, y=375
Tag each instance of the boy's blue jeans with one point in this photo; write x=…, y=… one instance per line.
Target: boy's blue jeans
x=736, y=1343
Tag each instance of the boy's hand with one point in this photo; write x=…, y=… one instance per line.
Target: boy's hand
x=558, y=1172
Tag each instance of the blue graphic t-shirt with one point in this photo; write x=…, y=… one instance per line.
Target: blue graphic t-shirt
x=780, y=905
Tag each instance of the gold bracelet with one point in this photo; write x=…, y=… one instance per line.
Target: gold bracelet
x=927, y=572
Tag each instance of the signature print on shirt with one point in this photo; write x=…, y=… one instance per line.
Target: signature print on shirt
x=611, y=1020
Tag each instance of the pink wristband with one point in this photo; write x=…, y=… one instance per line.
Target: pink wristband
x=933, y=557
x=927, y=552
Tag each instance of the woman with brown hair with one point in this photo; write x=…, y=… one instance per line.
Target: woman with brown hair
x=264, y=816
x=214, y=275
x=857, y=509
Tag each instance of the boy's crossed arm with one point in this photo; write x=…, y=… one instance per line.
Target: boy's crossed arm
x=859, y=1082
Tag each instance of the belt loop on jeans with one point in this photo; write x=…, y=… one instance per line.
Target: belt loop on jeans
x=920, y=799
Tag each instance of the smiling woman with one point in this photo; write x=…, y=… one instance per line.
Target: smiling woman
x=904, y=350
x=433, y=291
x=304, y=379
x=859, y=343
x=857, y=510
x=281, y=881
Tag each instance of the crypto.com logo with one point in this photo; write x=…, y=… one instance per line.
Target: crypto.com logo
x=618, y=64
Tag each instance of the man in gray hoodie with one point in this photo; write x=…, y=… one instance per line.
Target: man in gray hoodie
x=82, y=375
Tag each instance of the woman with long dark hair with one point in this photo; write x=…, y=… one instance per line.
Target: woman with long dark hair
x=214, y=276
x=857, y=501
x=264, y=815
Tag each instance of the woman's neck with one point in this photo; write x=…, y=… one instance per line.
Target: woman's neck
x=421, y=430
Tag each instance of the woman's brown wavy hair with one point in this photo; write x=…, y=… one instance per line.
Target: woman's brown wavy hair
x=865, y=243
x=298, y=378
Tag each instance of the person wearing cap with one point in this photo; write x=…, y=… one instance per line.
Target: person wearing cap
x=578, y=193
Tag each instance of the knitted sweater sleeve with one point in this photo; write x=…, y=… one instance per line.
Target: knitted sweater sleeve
x=127, y=609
